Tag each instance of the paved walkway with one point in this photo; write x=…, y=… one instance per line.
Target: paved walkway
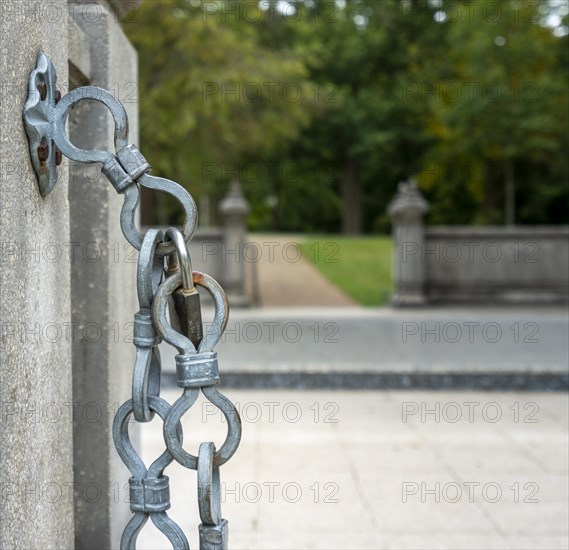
x=382, y=470
x=286, y=278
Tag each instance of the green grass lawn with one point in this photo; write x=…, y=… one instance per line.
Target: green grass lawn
x=360, y=266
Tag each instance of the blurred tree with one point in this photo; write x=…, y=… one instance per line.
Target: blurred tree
x=210, y=93
x=321, y=106
x=499, y=112
x=365, y=137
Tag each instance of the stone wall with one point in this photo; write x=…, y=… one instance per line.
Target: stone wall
x=103, y=299
x=497, y=264
x=475, y=264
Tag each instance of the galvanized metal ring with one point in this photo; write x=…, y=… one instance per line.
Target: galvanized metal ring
x=179, y=341
x=181, y=406
x=185, y=199
x=170, y=528
x=147, y=368
x=131, y=198
x=124, y=446
x=150, y=268
x=60, y=118
x=146, y=378
x=209, y=487
x=137, y=468
x=163, y=522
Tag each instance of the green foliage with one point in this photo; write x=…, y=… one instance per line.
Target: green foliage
x=497, y=100
x=321, y=110
x=208, y=100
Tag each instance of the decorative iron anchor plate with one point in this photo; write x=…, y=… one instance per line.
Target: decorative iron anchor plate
x=39, y=113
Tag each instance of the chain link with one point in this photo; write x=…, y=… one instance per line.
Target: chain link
x=160, y=290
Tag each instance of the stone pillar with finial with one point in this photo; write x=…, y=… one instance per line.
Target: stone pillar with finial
x=407, y=211
x=234, y=209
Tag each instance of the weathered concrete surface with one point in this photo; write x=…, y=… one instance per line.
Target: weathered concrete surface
x=121, y=8
x=103, y=291
x=36, y=509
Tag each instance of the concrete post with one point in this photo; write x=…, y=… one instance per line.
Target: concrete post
x=407, y=211
x=103, y=291
x=66, y=290
x=36, y=455
x=234, y=209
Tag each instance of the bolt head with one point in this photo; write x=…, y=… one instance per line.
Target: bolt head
x=42, y=89
x=43, y=151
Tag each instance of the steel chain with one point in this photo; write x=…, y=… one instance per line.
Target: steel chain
x=160, y=290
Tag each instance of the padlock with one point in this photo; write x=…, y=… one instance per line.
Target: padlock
x=184, y=305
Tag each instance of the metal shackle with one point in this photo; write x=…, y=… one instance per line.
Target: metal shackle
x=182, y=255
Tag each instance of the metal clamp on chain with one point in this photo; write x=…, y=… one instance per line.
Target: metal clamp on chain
x=159, y=290
x=149, y=495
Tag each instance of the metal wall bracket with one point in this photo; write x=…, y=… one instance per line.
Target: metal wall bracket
x=39, y=117
x=45, y=116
